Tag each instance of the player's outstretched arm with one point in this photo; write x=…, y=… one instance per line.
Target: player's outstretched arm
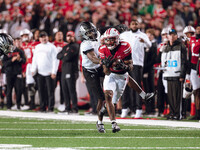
x=92, y=56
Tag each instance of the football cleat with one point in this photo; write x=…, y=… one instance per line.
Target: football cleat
x=100, y=128
x=115, y=127
x=148, y=96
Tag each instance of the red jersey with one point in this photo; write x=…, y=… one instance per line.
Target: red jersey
x=123, y=52
x=59, y=46
x=195, y=49
x=33, y=45
x=28, y=53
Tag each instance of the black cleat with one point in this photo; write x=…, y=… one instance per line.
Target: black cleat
x=115, y=127
x=100, y=128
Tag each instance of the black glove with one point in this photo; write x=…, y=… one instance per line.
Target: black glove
x=108, y=61
x=121, y=65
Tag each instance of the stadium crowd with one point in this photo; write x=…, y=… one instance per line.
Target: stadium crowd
x=54, y=25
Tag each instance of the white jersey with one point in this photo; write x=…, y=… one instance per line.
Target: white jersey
x=88, y=45
x=133, y=38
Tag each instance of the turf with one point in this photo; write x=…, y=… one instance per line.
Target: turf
x=51, y=133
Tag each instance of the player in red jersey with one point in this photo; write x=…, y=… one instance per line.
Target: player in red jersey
x=26, y=37
x=195, y=80
x=117, y=61
x=59, y=43
x=30, y=81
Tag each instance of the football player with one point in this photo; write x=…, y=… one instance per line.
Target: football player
x=195, y=80
x=92, y=70
x=117, y=61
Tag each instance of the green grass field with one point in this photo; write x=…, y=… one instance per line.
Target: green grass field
x=78, y=135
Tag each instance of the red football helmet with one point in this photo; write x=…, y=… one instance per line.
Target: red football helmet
x=111, y=38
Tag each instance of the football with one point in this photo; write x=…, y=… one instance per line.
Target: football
x=116, y=65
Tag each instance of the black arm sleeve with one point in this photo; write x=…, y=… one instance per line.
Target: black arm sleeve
x=23, y=57
x=89, y=50
x=183, y=61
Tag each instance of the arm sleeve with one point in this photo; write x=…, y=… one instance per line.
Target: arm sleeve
x=147, y=41
x=23, y=57
x=183, y=61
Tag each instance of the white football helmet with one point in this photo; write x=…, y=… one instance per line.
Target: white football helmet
x=27, y=32
x=111, y=38
x=188, y=29
x=165, y=31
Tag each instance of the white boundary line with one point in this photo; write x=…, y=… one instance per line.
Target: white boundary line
x=20, y=129
x=92, y=137
x=93, y=119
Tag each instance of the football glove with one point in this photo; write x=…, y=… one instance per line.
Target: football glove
x=121, y=65
x=108, y=61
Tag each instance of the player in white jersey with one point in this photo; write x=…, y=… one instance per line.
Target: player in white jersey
x=92, y=70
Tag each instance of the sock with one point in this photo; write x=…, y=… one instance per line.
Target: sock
x=142, y=94
x=100, y=122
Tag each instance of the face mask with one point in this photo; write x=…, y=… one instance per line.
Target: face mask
x=24, y=39
x=165, y=40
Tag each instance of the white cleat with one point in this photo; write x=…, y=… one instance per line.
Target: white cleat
x=125, y=112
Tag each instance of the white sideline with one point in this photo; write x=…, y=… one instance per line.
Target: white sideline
x=93, y=119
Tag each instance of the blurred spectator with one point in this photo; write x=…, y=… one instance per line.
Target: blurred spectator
x=59, y=43
x=26, y=37
x=45, y=64
x=188, y=16
x=2, y=5
x=174, y=60
x=138, y=41
x=148, y=8
x=161, y=83
x=69, y=56
x=174, y=21
x=18, y=26
x=69, y=23
x=197, y=23
x=30, y=81
x=148, y=71
x=44, y=22
x=12, y=65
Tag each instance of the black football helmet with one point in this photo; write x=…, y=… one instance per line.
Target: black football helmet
x=88, y=31
x=121, y=28
x=6, y=44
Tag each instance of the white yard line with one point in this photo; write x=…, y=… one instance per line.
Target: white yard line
x=29, y=147
x=22, y=129
x=91, y=137
x=94, y=119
